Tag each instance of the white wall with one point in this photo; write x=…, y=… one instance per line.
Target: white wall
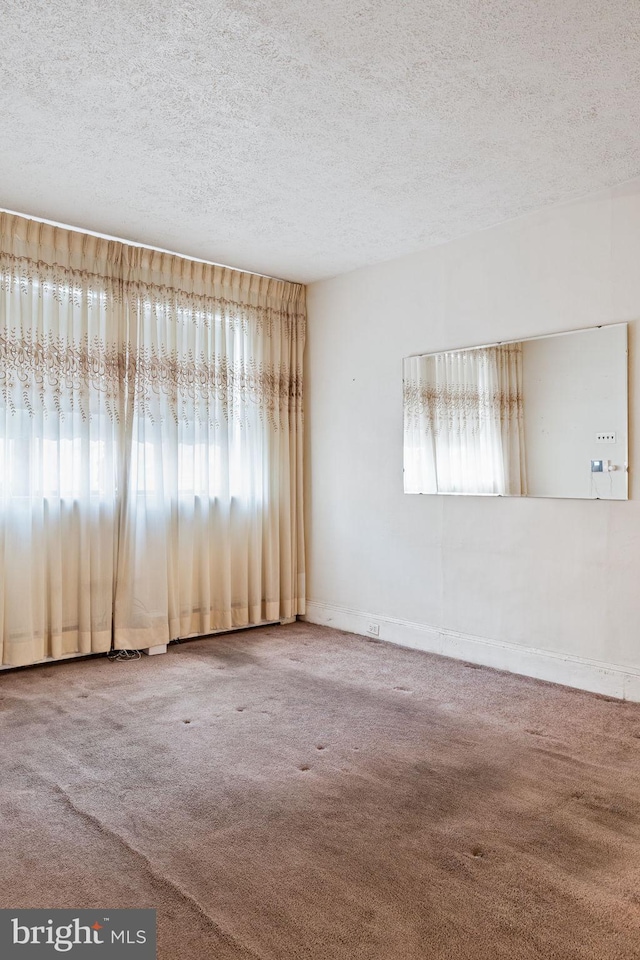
x=547, y=587
x=575, y=387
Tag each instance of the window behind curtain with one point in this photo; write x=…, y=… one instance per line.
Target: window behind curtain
x=150, y=445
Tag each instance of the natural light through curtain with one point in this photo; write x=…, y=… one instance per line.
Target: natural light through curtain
x=150, y=445
x=211, y=525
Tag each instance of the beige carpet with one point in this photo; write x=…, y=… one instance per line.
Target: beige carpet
x=298, y=792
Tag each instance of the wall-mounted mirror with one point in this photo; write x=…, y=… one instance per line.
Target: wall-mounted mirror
x=545, y=417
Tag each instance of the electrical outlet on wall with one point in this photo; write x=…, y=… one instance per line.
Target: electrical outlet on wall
x=373, y=629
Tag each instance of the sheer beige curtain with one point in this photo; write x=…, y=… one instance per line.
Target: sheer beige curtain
x=510, y=404
x=60, y=303
x=150, y=445
x=463, y=422
x=211, y=532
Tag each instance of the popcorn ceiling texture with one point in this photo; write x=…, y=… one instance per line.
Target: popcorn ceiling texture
x=304, y=138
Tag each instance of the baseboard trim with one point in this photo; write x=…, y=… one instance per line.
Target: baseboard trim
x=610, y=679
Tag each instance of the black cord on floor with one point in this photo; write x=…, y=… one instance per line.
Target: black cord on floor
x=124, y=655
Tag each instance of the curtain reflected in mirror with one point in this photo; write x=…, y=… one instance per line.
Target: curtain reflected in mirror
x=464, y=430
x=519, y=419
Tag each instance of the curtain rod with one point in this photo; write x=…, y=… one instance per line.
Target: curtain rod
x=144, y=246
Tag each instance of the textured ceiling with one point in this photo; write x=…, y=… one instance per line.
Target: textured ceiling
x=303, y=138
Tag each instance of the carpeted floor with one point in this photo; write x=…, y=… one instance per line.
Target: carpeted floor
x=296, y=792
